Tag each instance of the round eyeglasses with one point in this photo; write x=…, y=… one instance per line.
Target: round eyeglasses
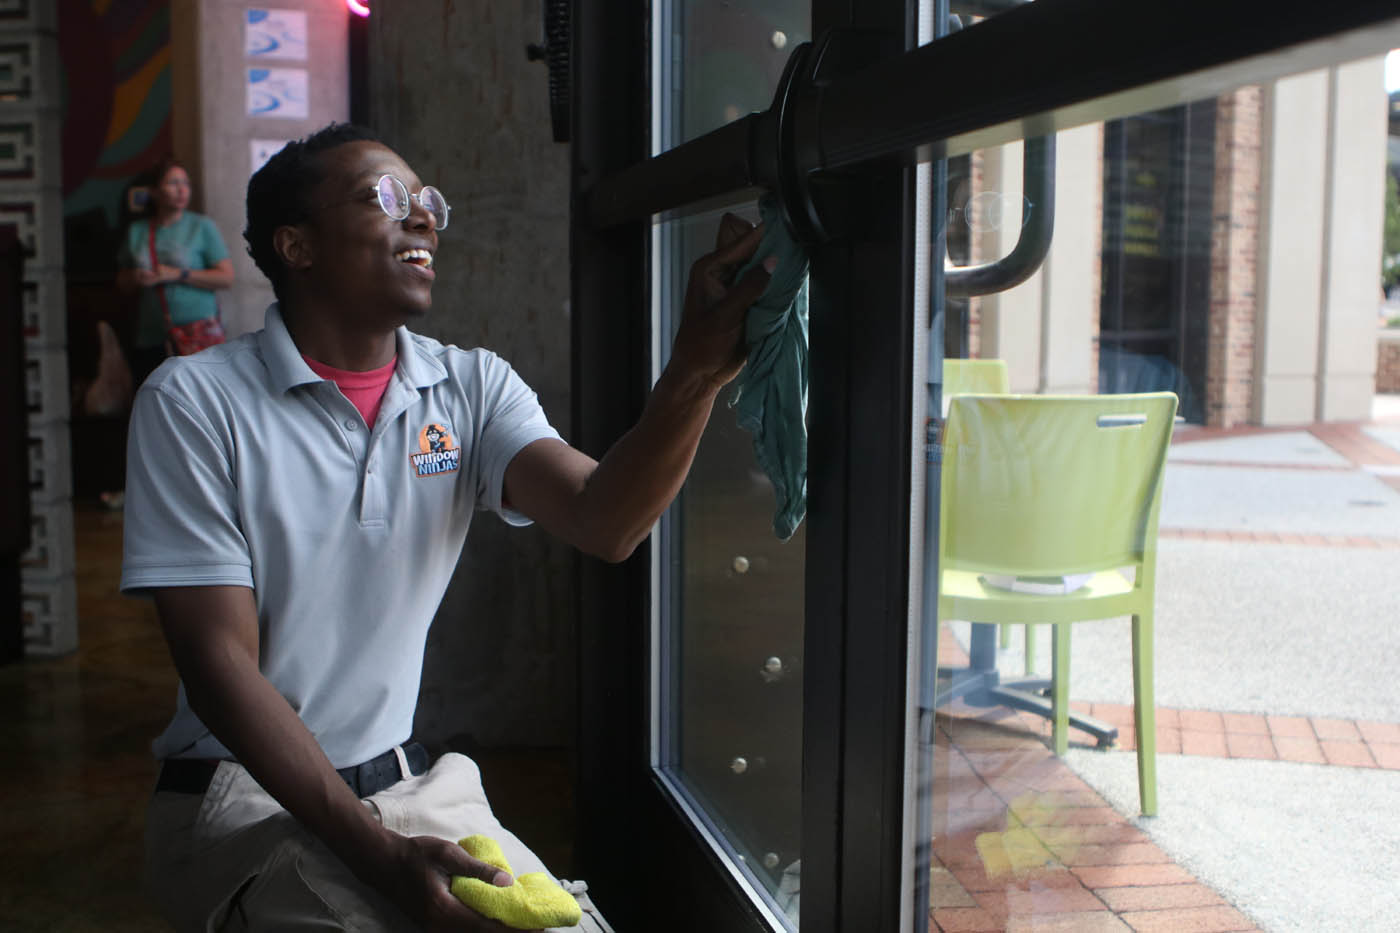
x=394, y=200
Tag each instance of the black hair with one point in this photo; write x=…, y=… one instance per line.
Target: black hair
x=150, y=180
x=279, y=192
x=156, y=173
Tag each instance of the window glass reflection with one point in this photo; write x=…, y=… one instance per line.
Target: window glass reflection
x=1230, y=252
x=724, y=60
x=732, y=624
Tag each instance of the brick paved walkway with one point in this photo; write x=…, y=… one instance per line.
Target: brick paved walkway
x=1349, y=439
x=1352, y=743
x=1021, y=843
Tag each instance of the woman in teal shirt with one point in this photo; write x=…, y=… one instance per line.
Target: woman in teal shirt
x=191, y=263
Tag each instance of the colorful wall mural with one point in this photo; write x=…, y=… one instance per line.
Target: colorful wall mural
x=117, y=119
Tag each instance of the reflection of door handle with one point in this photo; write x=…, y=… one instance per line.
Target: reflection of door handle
x=1038, y=174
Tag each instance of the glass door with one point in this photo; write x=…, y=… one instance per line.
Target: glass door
x=758, y=731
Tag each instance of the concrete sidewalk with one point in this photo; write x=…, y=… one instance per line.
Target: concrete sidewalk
x=1277, y=644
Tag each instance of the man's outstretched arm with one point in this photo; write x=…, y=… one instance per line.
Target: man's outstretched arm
x=213, y=636
x=608, y=507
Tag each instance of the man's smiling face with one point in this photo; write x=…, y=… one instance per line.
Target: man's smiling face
x=378, y=269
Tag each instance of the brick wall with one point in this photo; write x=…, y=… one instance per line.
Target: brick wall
x=974, y=312
x=1388, y=360
x=1234, y=259
x=1094, y=310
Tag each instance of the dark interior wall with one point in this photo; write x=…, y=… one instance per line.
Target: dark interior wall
x=451, y=90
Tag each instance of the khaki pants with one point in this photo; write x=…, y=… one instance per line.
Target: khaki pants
x=234, y=860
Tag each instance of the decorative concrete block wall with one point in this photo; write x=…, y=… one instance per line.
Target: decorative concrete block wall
x=31, y=198
x=1323, y=146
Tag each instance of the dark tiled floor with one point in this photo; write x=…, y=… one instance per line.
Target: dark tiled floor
x=78, y=766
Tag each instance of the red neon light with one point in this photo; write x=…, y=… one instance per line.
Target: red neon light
x=358, y=7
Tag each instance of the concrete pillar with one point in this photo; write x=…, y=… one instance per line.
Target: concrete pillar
x=1292, y=219
x=453, y=93
x=214, y=132
x=1355, y=188
x=1320, y=244
x=1045, y=327
x=1071, y=289
x=1010, y=320
x=31, y=199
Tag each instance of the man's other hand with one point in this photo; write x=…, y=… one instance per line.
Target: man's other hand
x=419, y=877
x=710, y=341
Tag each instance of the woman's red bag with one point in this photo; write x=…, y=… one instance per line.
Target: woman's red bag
x=184, y=339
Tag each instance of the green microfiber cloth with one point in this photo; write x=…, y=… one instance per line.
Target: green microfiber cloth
x=770, y=395
x=534, y=902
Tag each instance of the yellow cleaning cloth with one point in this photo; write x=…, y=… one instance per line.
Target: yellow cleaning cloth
x=534, y=902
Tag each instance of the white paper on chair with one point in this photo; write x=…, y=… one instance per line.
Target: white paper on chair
x=1040, y=586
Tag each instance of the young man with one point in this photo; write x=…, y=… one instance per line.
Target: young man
x=297, y=499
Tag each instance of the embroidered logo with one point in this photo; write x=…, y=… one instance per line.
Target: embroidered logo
x=436, y=452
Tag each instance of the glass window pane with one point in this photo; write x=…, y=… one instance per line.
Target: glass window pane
x=1232, y=252
x=730, y=716
x=719, y=61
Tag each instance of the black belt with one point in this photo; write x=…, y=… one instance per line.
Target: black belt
x=192, y=775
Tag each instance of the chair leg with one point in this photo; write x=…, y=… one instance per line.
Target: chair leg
x=1145, y=713
x=1030, y=650
x=1059, y=686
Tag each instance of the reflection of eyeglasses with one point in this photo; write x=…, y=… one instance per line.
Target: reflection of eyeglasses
x=396, y=201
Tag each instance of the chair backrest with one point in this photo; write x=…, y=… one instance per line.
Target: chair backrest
x=980, y=377
x=1037, y=485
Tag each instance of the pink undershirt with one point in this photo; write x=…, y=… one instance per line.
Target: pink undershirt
x=364, y=390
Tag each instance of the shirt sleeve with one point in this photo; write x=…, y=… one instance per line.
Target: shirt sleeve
x=212, y=244
x=181, y=517
x=511, y=419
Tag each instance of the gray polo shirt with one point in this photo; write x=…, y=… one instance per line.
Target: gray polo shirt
x=245, y=468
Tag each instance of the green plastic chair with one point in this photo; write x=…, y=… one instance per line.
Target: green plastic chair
x=983, y=377
x=1037, y=486
x=979, y=377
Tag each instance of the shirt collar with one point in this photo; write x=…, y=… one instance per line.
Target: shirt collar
x=416, y=365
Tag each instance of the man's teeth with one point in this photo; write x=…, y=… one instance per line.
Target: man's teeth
x=419, y=257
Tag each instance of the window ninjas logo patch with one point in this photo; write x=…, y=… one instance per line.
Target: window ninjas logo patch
x=437, y=454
